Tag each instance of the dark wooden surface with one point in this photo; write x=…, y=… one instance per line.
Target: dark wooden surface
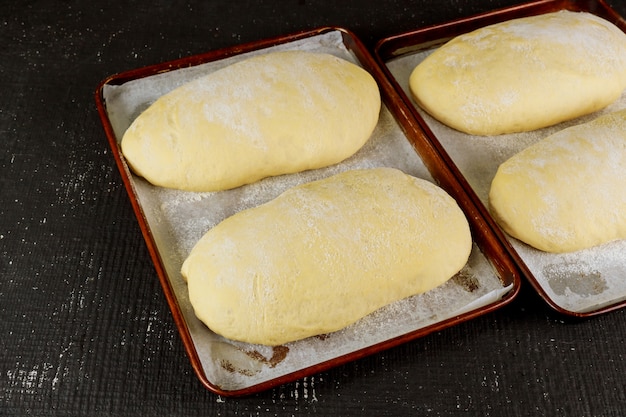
x=85, y=330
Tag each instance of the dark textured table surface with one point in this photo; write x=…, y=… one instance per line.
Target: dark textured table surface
x=85, y=328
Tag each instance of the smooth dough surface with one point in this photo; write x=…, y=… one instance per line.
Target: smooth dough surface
x=272, y=114
x=568, y=191
x=323, y=255
x=523, y=74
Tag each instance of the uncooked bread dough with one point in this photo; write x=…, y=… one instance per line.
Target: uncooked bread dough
x=324, y=254
x=523, y=74
x=272, y=114
x=568, y=191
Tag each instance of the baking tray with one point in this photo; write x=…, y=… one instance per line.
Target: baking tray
x=579, y=284
x=172, y=221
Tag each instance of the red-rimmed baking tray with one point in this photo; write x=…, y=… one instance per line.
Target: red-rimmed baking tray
x=579, y=284
x=172, y=221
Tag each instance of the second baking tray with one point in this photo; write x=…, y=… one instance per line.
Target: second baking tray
x=582, y=283
x=172, y=222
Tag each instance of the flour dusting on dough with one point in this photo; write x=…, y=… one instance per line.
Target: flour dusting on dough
x=566, y=192
x=272, y=114
x=523, y=74
x=324, y=254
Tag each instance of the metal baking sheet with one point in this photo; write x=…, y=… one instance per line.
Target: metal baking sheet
x=581, y=283
x=173, y=221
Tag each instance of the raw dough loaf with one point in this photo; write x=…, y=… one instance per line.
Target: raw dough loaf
x=523, y=74
x=324, y=254
x=272, y=114
x=568, y=191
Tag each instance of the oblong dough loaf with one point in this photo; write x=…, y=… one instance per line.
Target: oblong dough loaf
x=568, y=191
x=271, y=114
x=324, y=254
x=523, y=74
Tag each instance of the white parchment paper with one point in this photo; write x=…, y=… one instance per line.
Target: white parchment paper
x=579, y=282
x=178, y=219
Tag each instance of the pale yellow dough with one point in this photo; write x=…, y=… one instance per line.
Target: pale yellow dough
x=568, y=191
x=271, y=114
x=324, y=254
x=523, y=74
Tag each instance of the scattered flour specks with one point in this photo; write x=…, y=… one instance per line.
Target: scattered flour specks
x=28, y=380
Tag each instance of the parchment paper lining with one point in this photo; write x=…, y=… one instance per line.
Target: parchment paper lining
x=178, y=219
x=578, y=282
